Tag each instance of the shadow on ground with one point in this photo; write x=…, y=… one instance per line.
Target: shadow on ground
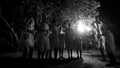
x=44, y=63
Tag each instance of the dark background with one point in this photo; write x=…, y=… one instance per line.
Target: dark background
x=109, y=9
x=109, y=13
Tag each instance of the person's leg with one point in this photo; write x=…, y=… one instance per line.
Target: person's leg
x=68, y=50
x=30, y=52
x=25, y=52
x=61, y=53
x=111, y=58
x=38, y=54
x=71, y=53
x=47, y=54
x=56, y=52
x=43, y=53
x=50, y=54
x=102, y=53
x=77, y=53
x=81, y=54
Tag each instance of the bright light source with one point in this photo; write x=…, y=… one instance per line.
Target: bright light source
x=83, y=27
x=88, y=28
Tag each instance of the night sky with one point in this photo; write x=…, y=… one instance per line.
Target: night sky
x=110, y=10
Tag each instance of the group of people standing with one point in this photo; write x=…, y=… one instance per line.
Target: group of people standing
x=48, y=39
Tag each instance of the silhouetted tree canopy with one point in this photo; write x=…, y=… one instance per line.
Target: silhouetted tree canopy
x=51, y=12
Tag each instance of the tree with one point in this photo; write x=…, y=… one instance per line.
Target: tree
x=40, y=10
x=49, y=11
x=81, y=9
x=84, y=10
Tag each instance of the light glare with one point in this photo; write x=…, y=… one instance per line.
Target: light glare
x=82, y=27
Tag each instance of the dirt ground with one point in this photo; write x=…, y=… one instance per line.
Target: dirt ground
x=91, y=59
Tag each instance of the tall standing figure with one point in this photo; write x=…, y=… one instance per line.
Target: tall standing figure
x=78, y=46
x=101, y=46
x=110, y=46
x=28, y=38
x=54, y=40
x=31, y=40
x=69, y=41
x=24, y=44
x=62, y=42
x=43, y=42
x=101, y=40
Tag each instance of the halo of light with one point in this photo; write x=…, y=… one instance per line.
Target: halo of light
x=83, y=27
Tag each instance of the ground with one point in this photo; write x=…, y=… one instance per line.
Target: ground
x=90, y=60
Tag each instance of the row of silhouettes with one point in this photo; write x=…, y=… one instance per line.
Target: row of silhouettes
x=47, y=39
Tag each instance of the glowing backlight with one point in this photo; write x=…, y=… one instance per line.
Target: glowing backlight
x=83, y=27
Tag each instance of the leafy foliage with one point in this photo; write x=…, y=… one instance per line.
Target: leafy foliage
x=81, y=9
x=52, y=12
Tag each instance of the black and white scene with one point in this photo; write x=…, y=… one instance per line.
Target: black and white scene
x=60, y=33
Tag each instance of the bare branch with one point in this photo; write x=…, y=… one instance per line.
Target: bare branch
x=7, y=42
x=10, y=28
x=50, y=13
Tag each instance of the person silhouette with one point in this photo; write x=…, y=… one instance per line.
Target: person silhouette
x=110, y=45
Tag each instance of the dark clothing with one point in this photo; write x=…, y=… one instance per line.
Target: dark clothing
x=62, y=41
x=54, y=41
x=78, y=44
x=25, y=52
x=54, y=38
x=27, y=43
x=69, y=38
x=30, y=52
x=110, y=47
x=43, y=42
x=102, y=53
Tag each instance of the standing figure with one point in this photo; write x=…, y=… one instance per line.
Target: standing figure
x=43, y=42
x=28, y=38
x=31, y=44
x=62, y=42
x=54, y=40
x=38, y=44
x=24, y=44
x=101, y=40
x=101, y=46
x=69, y=41
x=110, y=46
x=78, y=46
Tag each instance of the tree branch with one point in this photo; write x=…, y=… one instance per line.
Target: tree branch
x=7, y=42
x=10, y=28
x=50, y=12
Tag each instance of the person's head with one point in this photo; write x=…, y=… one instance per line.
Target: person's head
x=30, y=25
x=105, y=28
